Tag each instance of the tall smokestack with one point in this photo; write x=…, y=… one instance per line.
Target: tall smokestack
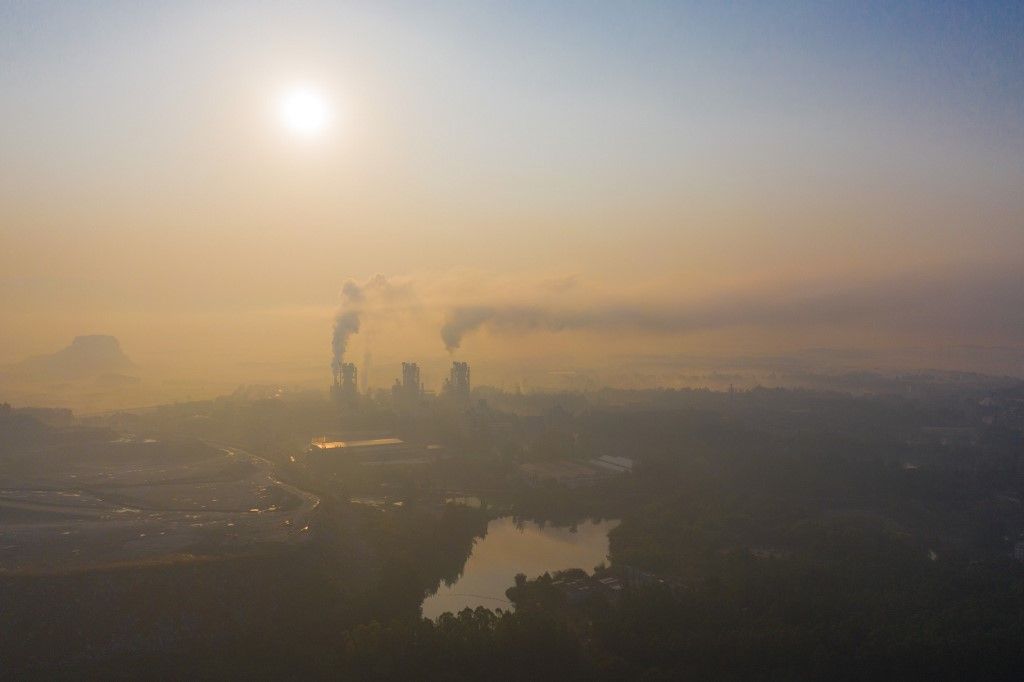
x=456, y=386
x=344, y=388
x=409, y=390
x=348, y=378
x=411, y=379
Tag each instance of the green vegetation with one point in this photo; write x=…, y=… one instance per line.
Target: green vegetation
x=783, y=535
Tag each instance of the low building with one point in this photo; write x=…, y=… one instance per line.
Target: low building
x=612, y=588
x=385, y=450
x=637, y=579
x=576, y=591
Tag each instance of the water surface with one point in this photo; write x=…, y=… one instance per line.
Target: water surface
x=507, y=550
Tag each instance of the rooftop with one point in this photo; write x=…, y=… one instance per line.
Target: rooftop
x=324, y=444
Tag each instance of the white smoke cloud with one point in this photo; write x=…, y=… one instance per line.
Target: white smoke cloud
x=378, y=295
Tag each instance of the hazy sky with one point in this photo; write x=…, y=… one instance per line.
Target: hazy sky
x=757, y=176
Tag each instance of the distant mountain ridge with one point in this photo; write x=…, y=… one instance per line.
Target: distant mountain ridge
x=87, y=357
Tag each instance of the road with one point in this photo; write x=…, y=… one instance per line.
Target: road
x=211, y=507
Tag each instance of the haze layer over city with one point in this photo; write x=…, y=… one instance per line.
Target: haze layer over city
x=548, y=327
x=659, y=182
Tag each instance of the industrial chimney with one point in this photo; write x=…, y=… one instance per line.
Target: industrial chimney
x=344, y=387
x=456, y=386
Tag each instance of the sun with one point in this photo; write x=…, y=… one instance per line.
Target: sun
x=304, y=111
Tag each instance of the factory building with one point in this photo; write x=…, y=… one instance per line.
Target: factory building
x=331, y=453
x=411, y=379
x=344, y=389
x=456, y=386
x=409, y=390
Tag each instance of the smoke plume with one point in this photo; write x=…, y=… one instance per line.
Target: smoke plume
x=378, y=295
x=945, y=304
x=518, y=318
x=346, y=322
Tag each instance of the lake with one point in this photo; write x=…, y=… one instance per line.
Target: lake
x=507, y=550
